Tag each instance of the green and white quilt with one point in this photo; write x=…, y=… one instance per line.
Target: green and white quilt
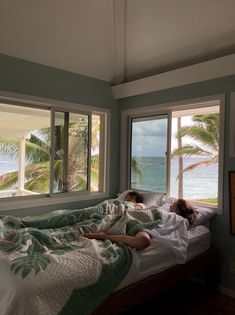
x=47, y=267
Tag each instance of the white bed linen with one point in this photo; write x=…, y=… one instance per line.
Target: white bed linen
x=157, y=257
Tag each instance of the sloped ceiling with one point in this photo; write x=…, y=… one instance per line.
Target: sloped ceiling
x=117, y=40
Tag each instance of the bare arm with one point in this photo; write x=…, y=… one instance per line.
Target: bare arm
x=140, y=241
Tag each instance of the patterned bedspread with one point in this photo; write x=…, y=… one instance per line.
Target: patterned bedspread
x=47, y=267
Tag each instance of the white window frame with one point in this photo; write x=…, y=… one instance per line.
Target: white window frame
x=168, y=108
x=232, y=126
x=164, y=113
x=56, y=105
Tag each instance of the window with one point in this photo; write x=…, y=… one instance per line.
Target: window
x=195, y=154
x=148, y=153
x=49, y=151
x=179, y=153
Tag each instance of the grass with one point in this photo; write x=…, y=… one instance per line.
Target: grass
x=209, y=201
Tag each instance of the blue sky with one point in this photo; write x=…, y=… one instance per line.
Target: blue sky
x=149, y=138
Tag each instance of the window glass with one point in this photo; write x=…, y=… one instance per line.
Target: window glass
x=148, y=153
x=77, y=153
x=195, y=151
x=33, y=161
x=95, y=153
x=71, y=152
x=59, y=156
x=24, y=151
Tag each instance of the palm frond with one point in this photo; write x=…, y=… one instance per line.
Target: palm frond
x=137, y=168
x=79, y=184
x=8, y=180
x=58, y=169
x=189, y=150
x=94, y=179
x=193, y=166
x=38, y=184
x=201, y=135
x=34, y=153
x=9, y=146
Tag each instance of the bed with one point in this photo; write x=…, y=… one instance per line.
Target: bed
x=137, y=293
x=47, y=267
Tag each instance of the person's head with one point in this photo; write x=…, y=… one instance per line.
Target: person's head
x=183, y=208
x=134, y=196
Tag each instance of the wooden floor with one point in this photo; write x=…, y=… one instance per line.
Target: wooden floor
x=188, y=298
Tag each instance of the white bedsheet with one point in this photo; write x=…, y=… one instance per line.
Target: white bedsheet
x=173, y=233
x=158, y=257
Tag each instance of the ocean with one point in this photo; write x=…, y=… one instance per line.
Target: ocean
x=200, y=183
x=7, y=164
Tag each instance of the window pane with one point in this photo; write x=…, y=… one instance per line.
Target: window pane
x=59, y=181
x=77, y=152
x=148, y=153
x=95, y=152
x=24, y=151
x=71, y=152
x=194, y=164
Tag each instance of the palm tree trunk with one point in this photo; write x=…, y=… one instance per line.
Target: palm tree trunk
x=180, y=162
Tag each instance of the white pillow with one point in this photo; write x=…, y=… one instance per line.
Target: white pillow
x=204, y=214
x=167, y=203
x=150, y=198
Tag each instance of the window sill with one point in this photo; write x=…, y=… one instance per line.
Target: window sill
x=214, y=208
x=40, y=201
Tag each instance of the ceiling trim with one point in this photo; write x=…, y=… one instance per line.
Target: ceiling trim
x=216, y=68
x=119, y=29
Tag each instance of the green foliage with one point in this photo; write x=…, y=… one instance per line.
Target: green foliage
x=205, y=134
x=8, y=180
x=37, y=170
x=209, y=201
x=137, y=168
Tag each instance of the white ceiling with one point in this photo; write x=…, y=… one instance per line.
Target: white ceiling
x=117, y=40
x=18, y=122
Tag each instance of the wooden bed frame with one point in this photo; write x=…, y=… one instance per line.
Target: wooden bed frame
x=137, y=293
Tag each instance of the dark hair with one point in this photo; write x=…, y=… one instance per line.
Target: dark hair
x=186, y=210
x=138, y=197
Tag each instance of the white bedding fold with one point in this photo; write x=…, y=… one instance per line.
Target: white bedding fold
x=172, y=232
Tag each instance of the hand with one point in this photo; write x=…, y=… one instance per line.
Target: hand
x=136, y=206
x=97, y=235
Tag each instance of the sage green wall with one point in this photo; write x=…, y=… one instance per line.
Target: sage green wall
x=20, y=76
x=220, y=229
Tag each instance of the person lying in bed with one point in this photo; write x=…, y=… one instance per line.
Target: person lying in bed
x=135, y=199
x=183, y=208
x=141, y=240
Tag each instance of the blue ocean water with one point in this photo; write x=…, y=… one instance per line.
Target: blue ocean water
x=200, y=183
x=8, y=164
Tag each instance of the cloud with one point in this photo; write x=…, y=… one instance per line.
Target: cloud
x=149, y=138
x=154, y=128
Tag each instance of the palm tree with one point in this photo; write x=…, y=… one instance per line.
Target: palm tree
x=180, y=162
x=37, y=153
x=205, y=133
x=136, y=168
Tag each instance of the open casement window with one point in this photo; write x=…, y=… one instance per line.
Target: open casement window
x=148, y=159
x=48, y=151
x=192, y=135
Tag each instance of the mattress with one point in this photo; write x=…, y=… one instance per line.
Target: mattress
x=158, y=257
